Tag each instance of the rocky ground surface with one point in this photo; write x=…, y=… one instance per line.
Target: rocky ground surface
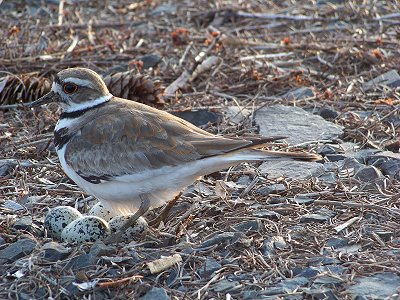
x=323, y=73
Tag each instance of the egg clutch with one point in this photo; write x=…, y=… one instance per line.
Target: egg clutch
x=67, y=224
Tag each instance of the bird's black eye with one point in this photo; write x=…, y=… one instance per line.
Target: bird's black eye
x=70, y=87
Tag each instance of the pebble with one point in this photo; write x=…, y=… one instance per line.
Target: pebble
x=376, y=286
x=266, y=214
x=198, y=117
x=368, y=174
x=217, y=239
x=100, y=249
x=81, y=262
x=389, y=79
x=314, y=218
x=209, y=267
x=149, y=60
x=155, y=294
x=271, y=244
x=273, y=188
x=17, y=250
x=248, y=226
x=54, y=251
x=299, y=93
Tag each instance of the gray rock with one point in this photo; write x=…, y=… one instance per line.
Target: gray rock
x=314, y=218
x=389, y=79
x=342, y=245
x=292, y=284
x=248, y=226
x=296, y=124
x=335, y=157
x=327, y=281
x=150, y=60
x=273, y=188
x=329, y=178
x=81, y=262
x=54, y=251
x=391, y=168
x=224, y=286
x=17, y=250
x=307, y=272
x=209, y=267
x=322, y=294
x=217, y=239
x=266, y=214
x=156, y=294
x=299, y=93
x=328, y=114
x=6, y=166
x=23, y=223
x=350, y=166
x=237, y=115
x=368, y=174
x=322, y=261
x=303, y=199
x=377, y=286
x=164, y=9
x=290, y=169
x=100, y=249
x=198, y=117
x=271, y=244
x=327, y=149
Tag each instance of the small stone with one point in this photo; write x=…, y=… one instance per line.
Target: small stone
x=273, y=188
x=81, y=262
x=350, y=166
x=292, y=284
x=270, y=245
x=389, y=79
x=198, y=117
x=376, y=286
x=326, y=149
x=299, y=93
x=368, y=174
x=164, y=9
x=307, y=272
x=224, y=286
x=342, y=245
x=12, y=205
x=100, y=249
x=23, y=223
x=155, y=294
x=150, y=60
x=314, y=218
x=328, y=178
x=17, y=250
x=237, y=115
x=248, y=226
x=322, y=293
x=217, y=239
x=391, y=168
x=303, y=199
x=6, y=167
x=335, y=157
x=266, y=214
x=209, y=267
x=328, y=114
x=327, y=281
x=54, y=251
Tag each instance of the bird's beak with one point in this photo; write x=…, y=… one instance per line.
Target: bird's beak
x=48, y=98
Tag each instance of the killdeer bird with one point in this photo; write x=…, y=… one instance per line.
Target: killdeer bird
x=131, y=156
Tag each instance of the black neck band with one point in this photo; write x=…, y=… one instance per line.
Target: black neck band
x=78, y=113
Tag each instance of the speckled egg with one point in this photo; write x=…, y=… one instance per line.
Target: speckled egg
x=58, y=218
x=85, y=229
x=137, y=228
x=99, y=210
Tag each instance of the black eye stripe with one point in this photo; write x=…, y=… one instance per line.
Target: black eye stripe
x=57, y=80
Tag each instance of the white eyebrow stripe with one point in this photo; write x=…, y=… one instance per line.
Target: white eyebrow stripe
x=80, y=82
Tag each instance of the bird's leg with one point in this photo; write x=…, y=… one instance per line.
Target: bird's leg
x=144, y=207
x=164, y=214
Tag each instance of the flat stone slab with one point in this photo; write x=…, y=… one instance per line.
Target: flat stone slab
x=389, y=79
x=291, y=169
x=296, y=124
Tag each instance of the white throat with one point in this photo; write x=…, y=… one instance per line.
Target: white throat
x=85, y=105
